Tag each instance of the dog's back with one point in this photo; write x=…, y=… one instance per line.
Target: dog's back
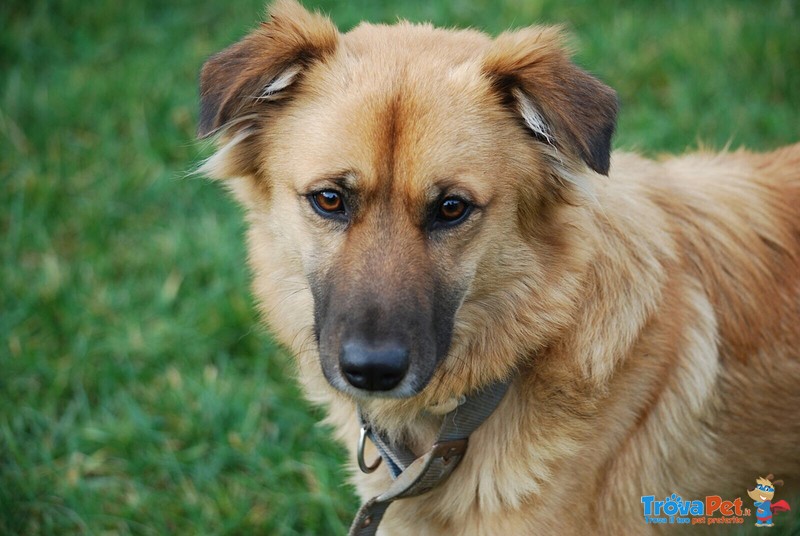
x=724, y=345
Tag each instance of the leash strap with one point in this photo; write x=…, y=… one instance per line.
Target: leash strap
x=414, y=476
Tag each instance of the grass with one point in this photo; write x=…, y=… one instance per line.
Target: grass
x=137, y=394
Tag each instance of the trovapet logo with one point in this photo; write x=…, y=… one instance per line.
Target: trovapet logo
x=713, y=509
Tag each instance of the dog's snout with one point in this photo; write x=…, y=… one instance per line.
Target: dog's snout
x=374, y=368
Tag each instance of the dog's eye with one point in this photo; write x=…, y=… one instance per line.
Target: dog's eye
x=327, y=202
x=452, y=210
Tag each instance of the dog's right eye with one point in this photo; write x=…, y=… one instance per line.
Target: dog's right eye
x=327, y=203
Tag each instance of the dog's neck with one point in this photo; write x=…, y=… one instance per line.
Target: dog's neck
x=556, y=410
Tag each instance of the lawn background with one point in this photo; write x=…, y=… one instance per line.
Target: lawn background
x=137, y=393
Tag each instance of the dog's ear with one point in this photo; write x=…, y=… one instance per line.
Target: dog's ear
x=239, y=81
x=560, y=104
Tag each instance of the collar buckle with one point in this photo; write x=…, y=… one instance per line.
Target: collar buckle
x=449, y=450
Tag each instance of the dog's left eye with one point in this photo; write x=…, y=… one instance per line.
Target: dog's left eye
x=328, y=203
x=452, y=211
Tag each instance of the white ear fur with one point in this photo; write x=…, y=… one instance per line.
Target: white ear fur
x=220, y=165
x=535, y=121
x=280, y=82
x=532, y=117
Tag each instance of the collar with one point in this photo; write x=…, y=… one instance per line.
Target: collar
x=414, y=475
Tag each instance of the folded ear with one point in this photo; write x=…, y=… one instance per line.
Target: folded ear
x=559, y=103
x=235, y=83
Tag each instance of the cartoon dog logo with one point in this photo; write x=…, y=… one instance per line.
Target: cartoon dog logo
x=762, y=496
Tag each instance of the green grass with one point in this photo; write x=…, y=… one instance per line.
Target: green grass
x=137, y=394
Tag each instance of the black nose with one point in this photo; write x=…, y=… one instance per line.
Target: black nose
x=373, y=368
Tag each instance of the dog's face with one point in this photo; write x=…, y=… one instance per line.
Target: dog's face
x=397, y=180
x=392, y=209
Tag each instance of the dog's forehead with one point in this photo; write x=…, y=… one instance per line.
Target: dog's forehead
x=404, y=106
x=407, y=41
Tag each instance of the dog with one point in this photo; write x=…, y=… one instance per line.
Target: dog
x=431, y=212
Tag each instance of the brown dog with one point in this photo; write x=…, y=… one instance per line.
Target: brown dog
x=429, y=213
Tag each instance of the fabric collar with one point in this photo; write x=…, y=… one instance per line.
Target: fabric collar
x=414, y=475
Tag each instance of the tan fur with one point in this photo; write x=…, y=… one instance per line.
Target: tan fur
x=650, y=319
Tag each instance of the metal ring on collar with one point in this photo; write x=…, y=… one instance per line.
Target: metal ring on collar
x=362, y=440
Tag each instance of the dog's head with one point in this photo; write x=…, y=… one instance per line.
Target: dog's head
x=411, y=192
